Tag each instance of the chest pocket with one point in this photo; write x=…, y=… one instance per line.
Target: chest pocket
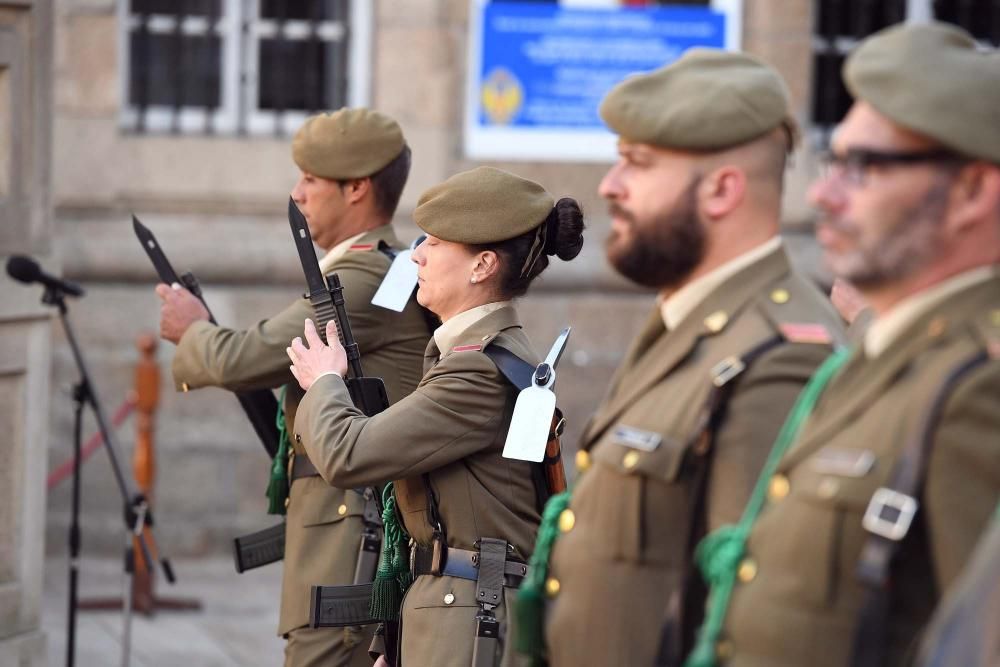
x=635, y=496
x=819, y=525
x=322, y=504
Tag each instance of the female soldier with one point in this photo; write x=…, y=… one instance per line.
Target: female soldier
x=472, y=513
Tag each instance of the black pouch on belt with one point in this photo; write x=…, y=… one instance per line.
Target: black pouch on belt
x=489, y=595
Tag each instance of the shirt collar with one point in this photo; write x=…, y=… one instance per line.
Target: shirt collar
x=885, y=330
x=679, y=305
x=338, y=251
x=446, y=335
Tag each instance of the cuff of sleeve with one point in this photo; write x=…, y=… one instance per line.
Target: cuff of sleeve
x=182, y=356
x=322, y=375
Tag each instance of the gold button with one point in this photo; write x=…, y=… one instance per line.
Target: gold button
x=567, y=520
x=780, y=296
x=342, y=510
x=582, y=460
x=552, y=587
x=828, y=488
x=724, y=649
x=717, y=321
x=449, y=598
x=936, y=327
x=185, y=386
x=288, y=501
x=631, y=460
x=778, y=487
x=747, y=571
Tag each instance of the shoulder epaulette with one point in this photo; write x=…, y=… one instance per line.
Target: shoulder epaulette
x=796, y=317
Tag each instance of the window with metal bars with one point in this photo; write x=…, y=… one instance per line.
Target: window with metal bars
x=255, y=67
x=841, y=24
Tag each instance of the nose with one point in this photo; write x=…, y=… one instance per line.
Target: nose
x=298, y=192
x=611, y=185
x=417, y=256
x=827, y=193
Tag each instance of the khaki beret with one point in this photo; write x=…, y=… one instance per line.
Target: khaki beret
x=348, y=143
x=707, y=100
x=931, y=79
x=484, y=205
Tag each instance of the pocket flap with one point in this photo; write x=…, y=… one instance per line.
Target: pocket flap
x=321, y=503
x=662, y=460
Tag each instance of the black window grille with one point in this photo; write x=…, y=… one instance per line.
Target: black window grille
x=841, y=24
x=233, y=67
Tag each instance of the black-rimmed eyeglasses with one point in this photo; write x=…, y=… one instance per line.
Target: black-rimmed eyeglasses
x=853, y=165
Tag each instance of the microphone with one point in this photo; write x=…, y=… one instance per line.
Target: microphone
x=26, y=270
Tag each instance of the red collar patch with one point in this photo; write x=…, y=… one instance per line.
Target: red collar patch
x=467, y=348
x=805, y=333
x=362, y=246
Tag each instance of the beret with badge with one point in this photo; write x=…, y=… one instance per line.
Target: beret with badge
x=483, y=205
x=707, y=100
x=347, y=143
x=934, y=80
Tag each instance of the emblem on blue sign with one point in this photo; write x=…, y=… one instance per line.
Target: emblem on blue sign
x=502, y=96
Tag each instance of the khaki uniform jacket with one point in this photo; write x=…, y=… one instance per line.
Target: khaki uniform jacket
x=451, y=429
x=801, y=605
x=624, y=555
x=323, y=524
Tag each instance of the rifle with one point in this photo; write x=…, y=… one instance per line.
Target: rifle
x=367, y=393
x=260, y=406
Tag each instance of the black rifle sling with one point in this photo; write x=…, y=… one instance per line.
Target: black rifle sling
x=519, y=373
x=880, y=548
x=684, y=608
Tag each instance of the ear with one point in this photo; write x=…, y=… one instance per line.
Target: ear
x=722, y=191
x=487, y=265
x=356, y=190
x=974, y=196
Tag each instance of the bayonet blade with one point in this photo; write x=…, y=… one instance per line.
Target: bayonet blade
x=152, y=248
x=306, y=250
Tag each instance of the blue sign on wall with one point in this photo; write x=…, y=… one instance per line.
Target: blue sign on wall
x=539, y=71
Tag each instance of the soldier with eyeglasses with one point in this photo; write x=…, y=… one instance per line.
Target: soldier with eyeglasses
x=888, y=469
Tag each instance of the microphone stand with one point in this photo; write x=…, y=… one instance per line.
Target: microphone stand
x=136, y=510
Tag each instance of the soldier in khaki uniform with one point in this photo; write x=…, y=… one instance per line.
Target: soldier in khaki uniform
x=890, y=470
x=489, y=235
x=694, y=407
x=354, y=164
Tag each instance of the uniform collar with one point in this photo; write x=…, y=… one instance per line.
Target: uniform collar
x=448, y=333
x=338, y=251
x=679, y=305
x=885, y=330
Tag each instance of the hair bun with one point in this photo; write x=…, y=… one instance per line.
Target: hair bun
x=564, y=235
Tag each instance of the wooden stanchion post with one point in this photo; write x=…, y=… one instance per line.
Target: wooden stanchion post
x=147, y=398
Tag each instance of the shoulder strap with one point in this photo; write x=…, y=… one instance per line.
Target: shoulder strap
x=519, y=372
x=888, y=518
x=683, y=608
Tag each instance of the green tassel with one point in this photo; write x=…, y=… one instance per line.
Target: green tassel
x=278, y=485
x=393, y=576
x=529, y=610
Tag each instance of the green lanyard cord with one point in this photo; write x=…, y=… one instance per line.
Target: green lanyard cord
x=529, y=607
x=393, y=576
x=278, y=484
x=720, y=552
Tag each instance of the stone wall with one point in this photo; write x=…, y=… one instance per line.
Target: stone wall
x=217, y=205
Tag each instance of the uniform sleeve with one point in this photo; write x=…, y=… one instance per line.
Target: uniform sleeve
x=755, y=414
x=456, y=411
x=963, y=474
x=210, y=355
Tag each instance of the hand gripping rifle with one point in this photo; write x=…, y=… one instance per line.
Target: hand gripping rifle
x=260, y=406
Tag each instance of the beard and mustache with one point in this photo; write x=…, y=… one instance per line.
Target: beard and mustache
x=660, y=252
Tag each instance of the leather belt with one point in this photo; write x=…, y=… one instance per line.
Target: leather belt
x=464, y=564
x=302, y=467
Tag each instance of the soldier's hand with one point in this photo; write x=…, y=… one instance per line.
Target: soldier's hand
x=309, y=363
x=179, y=310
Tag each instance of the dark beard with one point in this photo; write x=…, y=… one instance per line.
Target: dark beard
x=662, y=252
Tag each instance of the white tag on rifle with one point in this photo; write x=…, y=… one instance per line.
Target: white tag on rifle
x=398, y=284
x=530, y=424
